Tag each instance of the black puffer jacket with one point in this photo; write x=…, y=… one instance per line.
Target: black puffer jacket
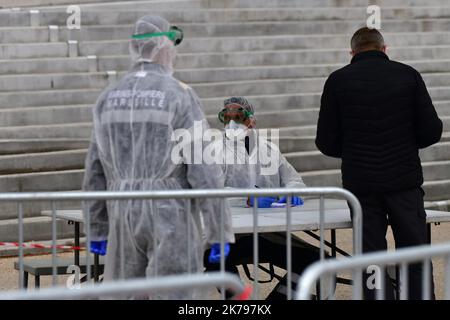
x=375, y=114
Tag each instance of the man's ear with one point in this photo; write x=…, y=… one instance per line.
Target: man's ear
x=384, y=49
x=352, y=53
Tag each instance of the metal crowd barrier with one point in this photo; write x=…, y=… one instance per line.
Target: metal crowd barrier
x=380, y=260
x=136, y=287
x=53, y=197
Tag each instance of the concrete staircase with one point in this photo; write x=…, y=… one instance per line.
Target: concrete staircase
x=277, y=53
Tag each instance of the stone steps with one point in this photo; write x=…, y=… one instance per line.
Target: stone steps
x=275, y=52
x=80, y=130
x=54, y=81
x=193, y=76
x=311, y=160
x=60, y=84
x=45, y=115
x=42, y=161
x=229, y=15
x=83, y=130
x=65, y=180
x=331, y=177
x=25, y=146
x=217, y=59
x=434, y=190
x=42, y=81
x=197, y=30
x=311, y=129
x=435, y=161
x=34, y=229
x=266, y=102
x=231, y=4
x=219, y=44
x=255, y=43
x=38, y=67
x=28, y=3
x=44, y=65
x=285, y=116
x=204, y=89
x=259, y=97
x=278, y=57
x=41, y=181
x=51, y=120
x=283, y=57
x=290, y=145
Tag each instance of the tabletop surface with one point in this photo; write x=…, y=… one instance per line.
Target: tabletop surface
x=306, y=217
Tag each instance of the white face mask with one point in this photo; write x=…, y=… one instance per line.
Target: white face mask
x=236, y=130
x=234, y=125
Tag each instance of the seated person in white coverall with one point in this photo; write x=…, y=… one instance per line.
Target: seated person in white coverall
x=131, y=150
x=247, y=171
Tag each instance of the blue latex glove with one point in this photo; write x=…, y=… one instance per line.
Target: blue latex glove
x=296, y=201
x=99, y=247
x=263, y=202
x=214, y=255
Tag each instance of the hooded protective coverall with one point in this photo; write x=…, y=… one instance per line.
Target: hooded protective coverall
x=131, y=150
x=249, y=160
x=258, y=162
x=263, y=166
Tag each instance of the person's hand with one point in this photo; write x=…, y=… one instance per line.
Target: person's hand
x=214, y=255
x=263, y=202
x=99, y=247
x=295, y=201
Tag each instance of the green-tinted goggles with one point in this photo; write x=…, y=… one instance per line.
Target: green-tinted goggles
x=175, y=35
x=237, y=114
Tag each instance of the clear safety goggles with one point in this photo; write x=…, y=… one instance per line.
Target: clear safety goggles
x=175, y=34
x=238, y=114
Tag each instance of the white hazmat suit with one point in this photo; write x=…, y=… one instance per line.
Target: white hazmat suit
x=263, y=166
x=131, y=150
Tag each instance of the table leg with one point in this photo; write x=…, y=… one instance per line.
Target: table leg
x=334, y=251
x=77, y=243
x=25, y=280
x=327, y=243
x=333, y=243
x=96, y=263
x=37, y=282
x=397, y=283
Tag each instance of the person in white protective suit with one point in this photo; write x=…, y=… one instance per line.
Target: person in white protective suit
x=250, y=160
x=130, y=150
x=264, y=165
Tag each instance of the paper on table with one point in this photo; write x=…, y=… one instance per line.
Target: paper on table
x=239, y=202
x=280, y=205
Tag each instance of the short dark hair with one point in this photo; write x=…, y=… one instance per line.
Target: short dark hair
x=365, y=39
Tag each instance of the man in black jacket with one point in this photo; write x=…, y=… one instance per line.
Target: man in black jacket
x=375, y=115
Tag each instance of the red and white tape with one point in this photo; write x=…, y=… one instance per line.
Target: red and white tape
x=38, y=246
